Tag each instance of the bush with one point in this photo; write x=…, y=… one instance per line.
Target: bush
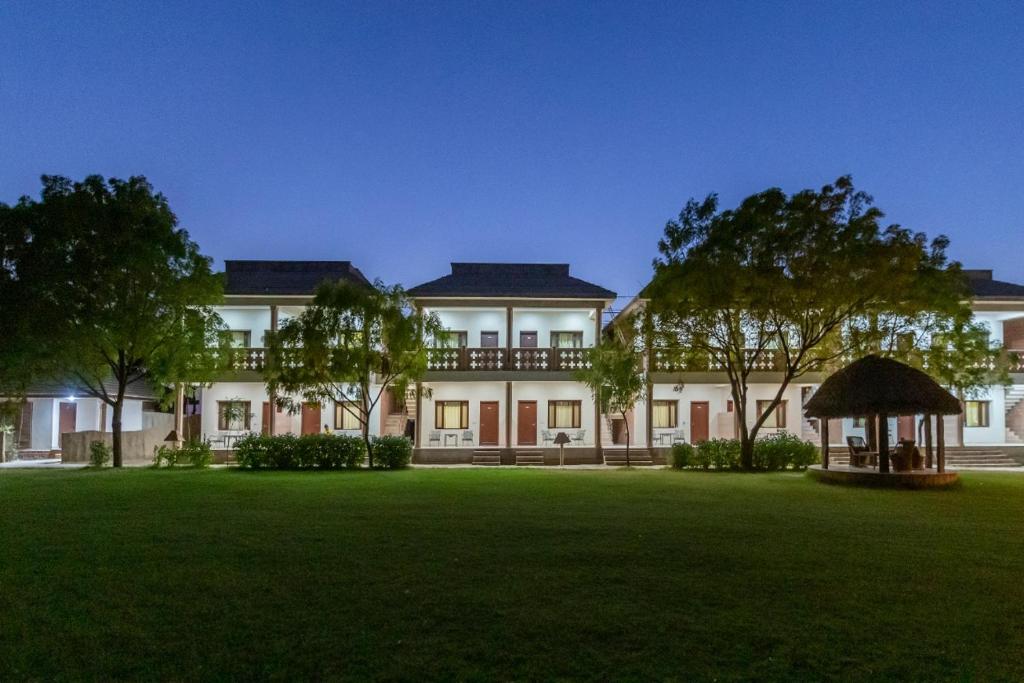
x=391, y=452
x=165, y=455
x=196, y=453
x=682, y=456
x=722, y=454
x=309, y=451
x=99, y=453
x=779, y=451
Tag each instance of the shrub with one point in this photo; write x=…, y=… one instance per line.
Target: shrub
x=722, y=454
x=779, y=451
x=99, y=453
x=165, y=455
x=391, y=452
x=309, y=451
x=196, y=453
x=682, y=456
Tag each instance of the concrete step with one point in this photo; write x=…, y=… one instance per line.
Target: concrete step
x=529, y=459
x=486, y=458
x=617, y=457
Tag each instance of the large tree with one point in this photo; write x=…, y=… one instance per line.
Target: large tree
x=123, y=293
x=616, y=376
x=793, y=284
x=352, y=344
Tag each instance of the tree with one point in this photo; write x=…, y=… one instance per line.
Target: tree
x=125, y=295
x=616, y=377
x=351, y=345
x=794, y=284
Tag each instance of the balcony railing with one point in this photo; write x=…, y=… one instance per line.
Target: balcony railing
x=666, y=360
x=537, y=359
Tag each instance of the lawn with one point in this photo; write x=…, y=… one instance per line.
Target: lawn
x=507, y=574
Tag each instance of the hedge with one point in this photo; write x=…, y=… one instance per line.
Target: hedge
x=391, y=452
x=310, y=451
x=774, y=452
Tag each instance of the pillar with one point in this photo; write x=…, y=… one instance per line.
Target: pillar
x=179, y=413
x=418, y=424
x=928, y=442
x=883, y=443
x=940, y=443
x=272, y=398
x=824, y=442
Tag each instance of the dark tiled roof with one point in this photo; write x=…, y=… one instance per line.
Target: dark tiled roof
x=983, y=286
x=286, y=277
x=511, y=280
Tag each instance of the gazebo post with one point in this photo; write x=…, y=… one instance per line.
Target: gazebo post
x=940, y=443
x=927, y=442
x=871, y=425
x=883, y=443
x=824, y=442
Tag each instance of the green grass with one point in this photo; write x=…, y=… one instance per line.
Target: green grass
x=508, y=574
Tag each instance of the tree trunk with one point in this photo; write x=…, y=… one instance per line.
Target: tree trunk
x=746, y=452
x=115, y=431
x=366, y=427
x=625, y=423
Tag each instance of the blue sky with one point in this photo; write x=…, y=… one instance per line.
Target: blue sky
x=406, y=135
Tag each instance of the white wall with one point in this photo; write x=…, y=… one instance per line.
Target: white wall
x=256, y=319
x=87, y=414
x=473, y=321
x=474, y=392
x=544, y=321
x=542, y=392
x=720, y=420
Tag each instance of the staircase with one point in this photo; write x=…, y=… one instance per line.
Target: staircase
x=638, y=457
x=534, y=458
x=394, y=425
x=809, y=431
x=487, y=458
x=970, y=457
x=1015, y=413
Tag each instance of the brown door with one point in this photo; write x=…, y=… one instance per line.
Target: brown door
x=488, y=423
x=265, y=425
x=699, y=421
x=310, y=418
x=905, y=427
x=526, y=433
x=68, y=411
x=527, y=340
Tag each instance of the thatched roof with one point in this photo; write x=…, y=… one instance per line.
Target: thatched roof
x=874, y=385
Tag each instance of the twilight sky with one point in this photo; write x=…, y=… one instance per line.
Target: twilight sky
x=406, y=135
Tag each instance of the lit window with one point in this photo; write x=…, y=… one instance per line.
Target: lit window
x=976, y=413
x=240, y=339
x=566, y=340
x=664, y=414
x=346, y=415
x=564, y=414
x=453, y=340
x=860, y=422
x=451, y=415
x=777, y=420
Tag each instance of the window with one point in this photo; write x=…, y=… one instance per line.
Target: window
x=488, y=340
x=728, y=406
x=527, y=340
x=860, y=422
x=451, y=415
x=234, y=415
x=664, y=414
x=778, y=419
x=567, y=340
x=564, y=414
x=976, y=413
x=240, y=339
x=452, y=339
x=346, y=416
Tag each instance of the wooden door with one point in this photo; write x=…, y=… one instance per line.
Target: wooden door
x=68, y=412
x=905, y=428
x=527, y=340
x=700, y=421
x=488, y=423
x=265, y=424
x=526, y=433
x=310, y=418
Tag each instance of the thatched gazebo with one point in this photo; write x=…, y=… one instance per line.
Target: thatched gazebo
x=877, y=388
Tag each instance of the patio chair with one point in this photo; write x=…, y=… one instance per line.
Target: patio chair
x=546, y=437
x=435, y=437
x=467, y=437
x=860, y=456
x=579, y=436
x=678, y=437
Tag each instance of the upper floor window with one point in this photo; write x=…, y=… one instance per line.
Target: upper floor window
x=976, y=413
x=528, y=340
x=564, y=414
x=860, y=422
x=664, y=414
x=566, y=340
x=240, y=339
x=488, y=340
x=453, y=339
x=777, y=420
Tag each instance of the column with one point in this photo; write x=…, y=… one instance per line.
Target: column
x=272, y=398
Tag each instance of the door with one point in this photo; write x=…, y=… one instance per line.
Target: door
x=488, y=423
x=905, y=427
x=526, y=433
x=310, y=418
x=488, y=340
x=700, y=416
x=68, y=412
x=527, y=340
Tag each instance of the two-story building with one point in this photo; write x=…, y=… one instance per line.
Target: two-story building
x=500, y=384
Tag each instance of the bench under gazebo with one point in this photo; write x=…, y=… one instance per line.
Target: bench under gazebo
x=877, y=388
